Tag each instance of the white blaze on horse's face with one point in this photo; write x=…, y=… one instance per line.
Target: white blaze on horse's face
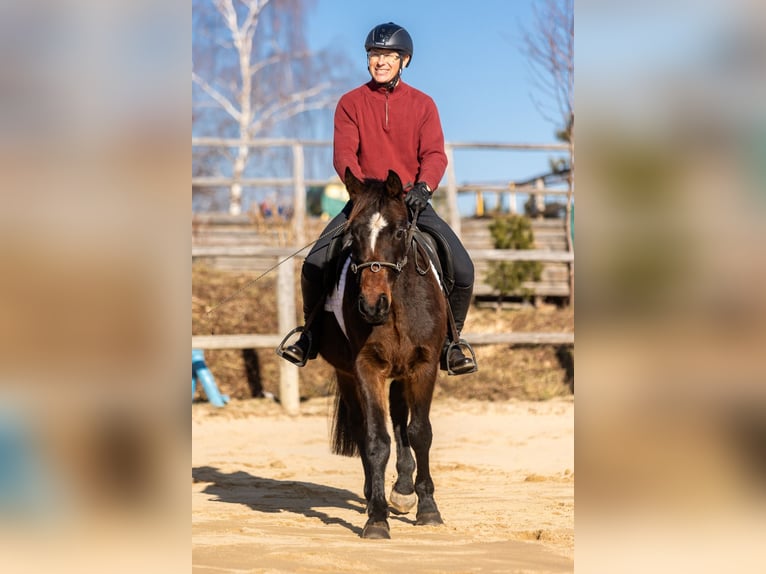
x=377, y=223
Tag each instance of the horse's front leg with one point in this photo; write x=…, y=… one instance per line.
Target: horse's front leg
x=377, y=449
x=420, y=435
x=403, y=496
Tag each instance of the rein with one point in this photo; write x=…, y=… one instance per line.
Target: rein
x=270, y=269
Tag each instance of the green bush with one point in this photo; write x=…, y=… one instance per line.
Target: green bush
x=512, y=232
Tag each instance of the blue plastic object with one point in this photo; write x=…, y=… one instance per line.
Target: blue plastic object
x=201, y=373
x=26, y=485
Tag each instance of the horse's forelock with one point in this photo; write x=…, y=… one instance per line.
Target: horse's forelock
x=375, y=199
x=368, y=201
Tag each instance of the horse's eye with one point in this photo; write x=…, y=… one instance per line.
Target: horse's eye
x=399, y=233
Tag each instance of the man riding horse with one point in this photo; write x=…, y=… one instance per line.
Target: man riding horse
x=385, y=125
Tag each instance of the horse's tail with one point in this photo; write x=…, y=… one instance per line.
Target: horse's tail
x=343, y=441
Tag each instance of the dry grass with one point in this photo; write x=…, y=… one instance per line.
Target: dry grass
x=533, y=372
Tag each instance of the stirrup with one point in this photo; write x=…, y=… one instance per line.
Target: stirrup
x=463, y=344
x=280, y=350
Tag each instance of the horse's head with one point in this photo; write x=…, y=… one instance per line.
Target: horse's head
x=377, y=231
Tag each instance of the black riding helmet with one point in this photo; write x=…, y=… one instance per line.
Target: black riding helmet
x=390, y=36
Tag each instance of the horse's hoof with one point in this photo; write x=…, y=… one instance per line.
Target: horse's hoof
x=376, y=530
x=403, y=503
x=429, y=519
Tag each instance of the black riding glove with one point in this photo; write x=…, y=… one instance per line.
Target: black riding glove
x=417, y=198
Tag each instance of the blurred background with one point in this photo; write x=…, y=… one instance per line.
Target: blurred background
x=670, y=429
x=94, y=148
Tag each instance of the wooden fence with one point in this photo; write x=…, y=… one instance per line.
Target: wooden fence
x=299, y=182
x=240, y=243
x=286, y=297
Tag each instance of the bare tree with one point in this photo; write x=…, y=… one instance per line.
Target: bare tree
x=252, y=63
x=549, y=46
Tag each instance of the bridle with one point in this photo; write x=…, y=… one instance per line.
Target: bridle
x=376, y=266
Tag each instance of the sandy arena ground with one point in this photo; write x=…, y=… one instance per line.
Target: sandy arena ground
x=268, y=496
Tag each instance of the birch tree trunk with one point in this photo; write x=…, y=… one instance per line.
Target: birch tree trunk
x=243, y=43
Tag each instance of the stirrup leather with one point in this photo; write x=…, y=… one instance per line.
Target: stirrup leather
x=462, y=344
x=280, y=350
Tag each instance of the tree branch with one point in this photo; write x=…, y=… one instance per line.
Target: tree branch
x=289, y=107
x=254, y=11
x=550, y=51
x=226, y=10
x=222, y=100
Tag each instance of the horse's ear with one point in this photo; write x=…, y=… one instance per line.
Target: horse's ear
x=394, y=184
x=353, y=185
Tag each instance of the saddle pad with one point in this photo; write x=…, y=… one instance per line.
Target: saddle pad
x=334, y=301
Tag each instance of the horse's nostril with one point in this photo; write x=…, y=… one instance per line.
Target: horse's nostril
x=376, y=312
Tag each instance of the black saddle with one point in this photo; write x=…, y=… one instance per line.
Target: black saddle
x=438, y=252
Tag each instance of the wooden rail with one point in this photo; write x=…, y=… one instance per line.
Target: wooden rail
x=249, y=243
x=476, y=254
x=271, y=341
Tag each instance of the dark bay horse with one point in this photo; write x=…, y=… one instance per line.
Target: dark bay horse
x=386, y=353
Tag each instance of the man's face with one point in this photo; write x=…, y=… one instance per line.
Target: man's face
x=384, y=65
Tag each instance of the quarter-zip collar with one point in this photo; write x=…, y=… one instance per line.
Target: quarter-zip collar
x=388, y=94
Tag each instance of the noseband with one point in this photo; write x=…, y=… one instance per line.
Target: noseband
x=376, y=266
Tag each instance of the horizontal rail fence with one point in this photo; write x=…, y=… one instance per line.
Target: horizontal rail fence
x=299, y=182
x=238, y=243
x=286, y=297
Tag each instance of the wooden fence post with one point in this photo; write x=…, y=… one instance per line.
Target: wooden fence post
x=299, y=195
x=289, y=393
x=454, y=213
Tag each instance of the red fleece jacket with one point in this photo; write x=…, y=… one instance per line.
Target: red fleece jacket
x=377, y=130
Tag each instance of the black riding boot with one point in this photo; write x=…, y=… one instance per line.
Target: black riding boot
x=306, y=347
x=456, y=361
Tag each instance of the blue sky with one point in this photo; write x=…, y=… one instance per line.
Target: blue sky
x=468, y=57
